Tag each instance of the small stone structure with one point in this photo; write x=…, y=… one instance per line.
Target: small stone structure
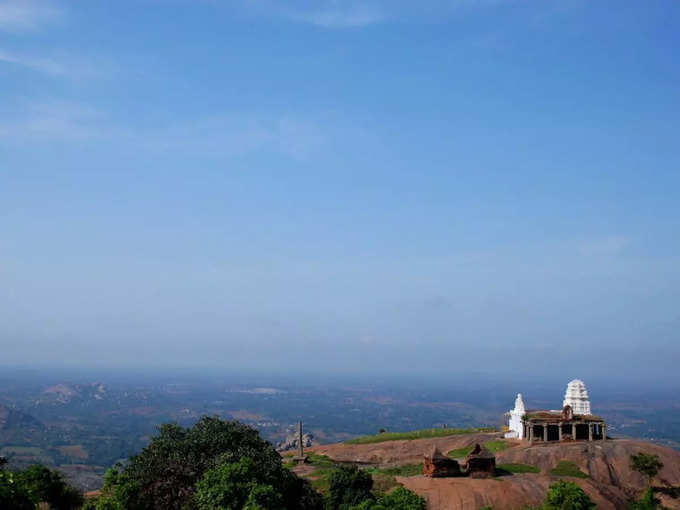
x=480, y=463
x=437, y=465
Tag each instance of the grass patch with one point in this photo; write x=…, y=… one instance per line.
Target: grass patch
x=382, y=484
x=496, y=445
x=416, y=434
x=566, y=468
x=460, y=452
x=406, y=470
x=324, y=467
x=516, y=468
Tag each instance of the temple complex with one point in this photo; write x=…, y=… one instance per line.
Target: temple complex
x=573, y=422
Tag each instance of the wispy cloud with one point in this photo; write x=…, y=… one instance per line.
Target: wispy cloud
x=324, y=13
x=51, y=121
x=221, y=135
x=59, y=64
x=609, y=245
x=21, y=15
x=361, y=13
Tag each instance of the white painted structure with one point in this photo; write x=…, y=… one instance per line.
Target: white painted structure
x=515, y=422
x=577, y=397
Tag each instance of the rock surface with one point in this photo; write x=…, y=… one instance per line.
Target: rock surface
x=610, y=483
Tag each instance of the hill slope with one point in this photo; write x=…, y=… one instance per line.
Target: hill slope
x=609, y=480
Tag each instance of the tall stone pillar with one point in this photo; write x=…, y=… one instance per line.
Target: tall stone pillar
x=604, y=431
x=545, y=433
x=573, y=431
x=590, y=432
x=559, y=428
x=301, y=447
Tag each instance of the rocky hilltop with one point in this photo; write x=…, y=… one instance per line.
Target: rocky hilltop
x=605, y=467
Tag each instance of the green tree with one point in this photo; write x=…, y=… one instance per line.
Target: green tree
x=647, y=464
x=166, y=474
x=567, y=496
x=232, y=485
x=46, y=485
x=348, y=486
x=13, y=495
x=399, y=499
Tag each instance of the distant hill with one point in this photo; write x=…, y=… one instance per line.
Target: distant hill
x=17, y=427
x=602, y=469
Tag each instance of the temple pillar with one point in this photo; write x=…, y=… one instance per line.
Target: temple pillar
x=604, y=431
x=590, y=432
x=573, y=431
x=545, y=433
x=559, y=428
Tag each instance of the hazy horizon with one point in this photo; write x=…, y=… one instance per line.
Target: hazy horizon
x=458, y=188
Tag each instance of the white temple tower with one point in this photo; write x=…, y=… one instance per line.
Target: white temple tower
x=515, y=422
x=577, y=397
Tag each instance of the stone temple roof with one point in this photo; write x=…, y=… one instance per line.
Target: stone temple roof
x=553, y=416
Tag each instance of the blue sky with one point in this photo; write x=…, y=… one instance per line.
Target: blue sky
x=382, y=186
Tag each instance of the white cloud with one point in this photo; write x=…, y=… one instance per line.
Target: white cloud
x=333, y=17
x=223, y=135
x=21, y=15
x=51, y=121
x=609, y=245
x=59, y=64
x=44, y=65
x=324, y=13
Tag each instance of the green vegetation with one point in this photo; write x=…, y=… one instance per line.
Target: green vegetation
x=646, y=464
x=416, y=434
x=25, y=490
x=493, y=446
x=351, y=488
x=399, y=499
x=567, y=496
x=517, y=468
x=460, y=452
x=214, y=464
x=566, y=468
x=496, y=445
x=563, y=496
x=405, y=470
x=348, y=486
x=647, y=502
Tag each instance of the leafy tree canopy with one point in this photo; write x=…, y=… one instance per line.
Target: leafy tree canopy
x=215, y=464
x=37, y=484
x=399, y=499
x=348, y=486
x=647, y=464
x=567, y=496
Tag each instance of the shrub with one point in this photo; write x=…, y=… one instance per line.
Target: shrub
x=647, y=502
x=348, y=486
x=399, y=499
x=646, y=464
x=567, y=496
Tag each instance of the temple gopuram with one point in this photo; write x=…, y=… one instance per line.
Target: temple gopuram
x=574, y=422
